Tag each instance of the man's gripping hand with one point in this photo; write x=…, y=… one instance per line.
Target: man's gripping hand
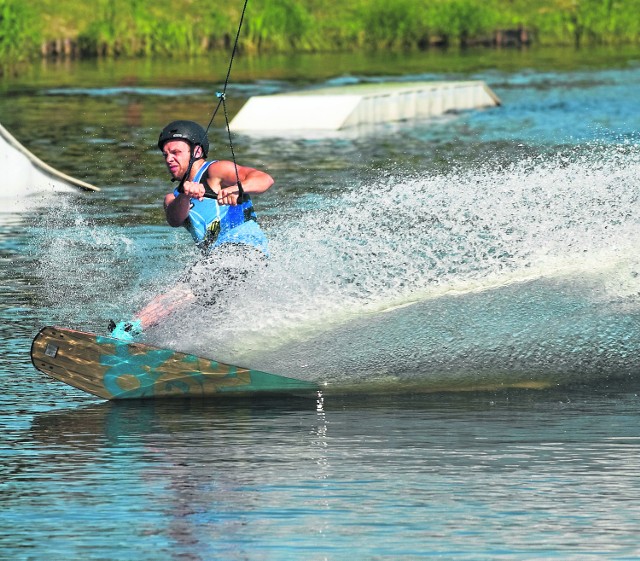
x=193, y=190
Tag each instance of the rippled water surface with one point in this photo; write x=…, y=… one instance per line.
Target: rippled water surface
x=552, y=476
x=466, y=290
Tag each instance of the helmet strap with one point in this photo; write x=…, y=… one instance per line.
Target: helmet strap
x=192, y=160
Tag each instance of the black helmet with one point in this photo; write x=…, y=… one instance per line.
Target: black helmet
x=188, y=131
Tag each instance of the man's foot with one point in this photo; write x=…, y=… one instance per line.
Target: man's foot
x=125, y=330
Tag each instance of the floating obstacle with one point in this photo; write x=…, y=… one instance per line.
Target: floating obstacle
x=344, y=107
x=25, y=174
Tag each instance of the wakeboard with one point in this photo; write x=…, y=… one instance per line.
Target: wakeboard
x=113, y=369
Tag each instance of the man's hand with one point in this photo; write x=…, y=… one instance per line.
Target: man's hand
x=193, y=190
x=228, y=196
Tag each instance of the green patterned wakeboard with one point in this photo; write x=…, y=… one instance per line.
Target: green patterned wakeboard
x=114, y=369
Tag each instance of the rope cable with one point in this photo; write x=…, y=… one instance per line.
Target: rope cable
x=222, y=96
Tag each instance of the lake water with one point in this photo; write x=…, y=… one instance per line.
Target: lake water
x=466, y=289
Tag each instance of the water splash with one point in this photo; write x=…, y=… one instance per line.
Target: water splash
x=525, y=274
x=91, y=271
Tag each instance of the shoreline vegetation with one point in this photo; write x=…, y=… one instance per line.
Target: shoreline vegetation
x=146, y=28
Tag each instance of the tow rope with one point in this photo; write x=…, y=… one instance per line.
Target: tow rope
x=222, y=102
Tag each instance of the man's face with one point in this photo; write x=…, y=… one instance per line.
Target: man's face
x=177, y=154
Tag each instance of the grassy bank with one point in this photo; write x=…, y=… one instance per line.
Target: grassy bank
x=160, y=28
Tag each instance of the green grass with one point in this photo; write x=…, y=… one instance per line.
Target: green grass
x=18, y=39
x=164, y=28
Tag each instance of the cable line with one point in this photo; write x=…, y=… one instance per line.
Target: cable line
x=222, y=97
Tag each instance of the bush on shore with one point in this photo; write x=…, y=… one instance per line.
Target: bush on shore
x=158, y=28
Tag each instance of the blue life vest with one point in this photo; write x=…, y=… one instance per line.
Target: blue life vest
x=212, y=225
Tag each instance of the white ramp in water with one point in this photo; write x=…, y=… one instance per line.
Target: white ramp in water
x=25, y=174
x=361, y=104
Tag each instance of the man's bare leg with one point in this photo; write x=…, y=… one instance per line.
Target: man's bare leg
x=164, y=305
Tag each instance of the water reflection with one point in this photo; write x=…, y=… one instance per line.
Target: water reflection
x=198, y=480
x=201, y=468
